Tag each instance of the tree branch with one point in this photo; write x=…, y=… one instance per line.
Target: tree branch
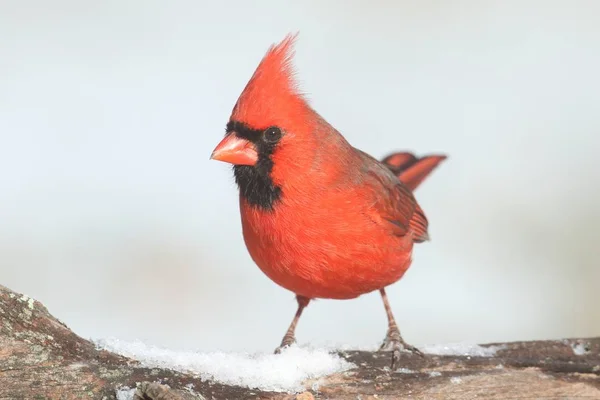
x=41, y=358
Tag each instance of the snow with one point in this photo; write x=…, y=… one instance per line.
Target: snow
x=30, y=302
x=461, y=349
x=456, y=380
x=125, y=394
x=579, y=349
x=283, y=372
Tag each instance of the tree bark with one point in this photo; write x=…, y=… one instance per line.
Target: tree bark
x=40, y=358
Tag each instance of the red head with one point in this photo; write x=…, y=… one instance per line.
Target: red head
x=268, y=116
x=270, y=99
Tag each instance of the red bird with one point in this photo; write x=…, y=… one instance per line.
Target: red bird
x=320, y=217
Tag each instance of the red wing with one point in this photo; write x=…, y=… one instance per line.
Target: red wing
x=418, y=224
x=394, y=205
x=395, y=208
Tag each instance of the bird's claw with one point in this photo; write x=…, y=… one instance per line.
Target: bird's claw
x=393, y=342
x=279, y=349
x=395, y=358
x=285, y=343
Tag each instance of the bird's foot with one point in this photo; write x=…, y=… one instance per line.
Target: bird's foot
x=287, y=341
x=393, y=342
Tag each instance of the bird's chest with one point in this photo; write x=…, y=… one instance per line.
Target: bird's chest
x=322, y=251
x=278, y=240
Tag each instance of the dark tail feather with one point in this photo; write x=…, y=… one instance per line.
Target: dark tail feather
x=410, y=169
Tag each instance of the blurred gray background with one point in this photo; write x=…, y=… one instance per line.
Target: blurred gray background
x=112, y=215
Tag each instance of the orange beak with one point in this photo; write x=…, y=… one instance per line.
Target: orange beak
x=235, y=150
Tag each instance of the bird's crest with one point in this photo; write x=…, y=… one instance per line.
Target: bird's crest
x=271, y=97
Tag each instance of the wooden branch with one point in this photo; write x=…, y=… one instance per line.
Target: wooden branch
x=40, y=358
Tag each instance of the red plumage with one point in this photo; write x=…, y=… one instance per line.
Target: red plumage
x=320, y=217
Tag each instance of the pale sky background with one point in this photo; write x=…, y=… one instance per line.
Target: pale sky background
x=112, y=215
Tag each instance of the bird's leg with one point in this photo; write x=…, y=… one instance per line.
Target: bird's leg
x=290, y=336
x=393, y=340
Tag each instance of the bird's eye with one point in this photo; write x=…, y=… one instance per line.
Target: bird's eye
x=272, y=134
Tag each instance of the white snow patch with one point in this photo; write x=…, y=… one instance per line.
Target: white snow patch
x=26, y=299
x=579, y=349
x=125, y=394
x=404, y=371
x=275, y=372
x=461, y=349
x=456, y=380
x=433, y=374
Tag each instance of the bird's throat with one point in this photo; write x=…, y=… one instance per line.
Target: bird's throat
x=256, y=185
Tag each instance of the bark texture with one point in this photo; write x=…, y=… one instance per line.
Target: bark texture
x=40, y=358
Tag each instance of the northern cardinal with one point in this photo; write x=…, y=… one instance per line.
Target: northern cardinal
x=320, y=217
